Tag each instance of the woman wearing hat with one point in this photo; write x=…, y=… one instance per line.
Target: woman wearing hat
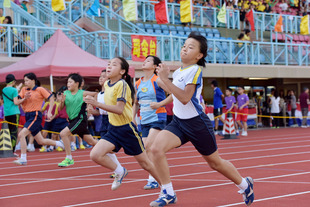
x=10, y=104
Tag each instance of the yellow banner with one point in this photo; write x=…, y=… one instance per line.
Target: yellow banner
x=304, y=25
x=130, y=10
x=186, y=11
x=58, y=5
x=7, y=3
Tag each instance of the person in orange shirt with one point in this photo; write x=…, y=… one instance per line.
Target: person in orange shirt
x=32, y=96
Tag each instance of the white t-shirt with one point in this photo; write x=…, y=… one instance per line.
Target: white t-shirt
x=181, y=78
x=100, y=99
x=275, y=104
x=283, y=6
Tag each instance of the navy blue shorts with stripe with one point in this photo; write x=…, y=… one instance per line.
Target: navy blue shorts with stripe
x=79, y=125
x=33, y=122
x=197, y=130
x=125, y=136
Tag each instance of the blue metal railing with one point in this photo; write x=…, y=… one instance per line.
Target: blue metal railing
x=110, y=44
x=22, y=40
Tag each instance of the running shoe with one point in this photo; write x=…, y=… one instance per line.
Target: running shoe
x=66, y=162
x=164, y=199
x=82, y=147
x=215, y=132
x=248, y=194
x=237, y=132
x=118, y=179
x=59, y=149
x=20, y=161
x=151, y=185
x=73, y=148
x=244, y=133
x=49, y=150
x=43, y=149
x=31, y=149
x=113, y=175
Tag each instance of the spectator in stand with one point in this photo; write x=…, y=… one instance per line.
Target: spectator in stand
x=275, y=108
x=283, y=6
x=293, y=107
x=242, y=17
x=1, y=16
x=268, y=9
x=247, y=34
x=239, y=45
x=304, y=103
x=261, y=7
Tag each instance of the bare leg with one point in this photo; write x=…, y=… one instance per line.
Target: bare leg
x=22, y=138
x=65, y=135
x=90, y=140
x=224, y=167
x=98, y=154
x=164, y=142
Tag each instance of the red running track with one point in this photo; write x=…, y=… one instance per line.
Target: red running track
x=278, y=160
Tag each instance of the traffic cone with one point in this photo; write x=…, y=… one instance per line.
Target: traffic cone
x=230, y=132
x=5, y=142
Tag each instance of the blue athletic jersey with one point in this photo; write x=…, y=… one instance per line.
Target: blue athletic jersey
x=217, y=98
x=148, y=92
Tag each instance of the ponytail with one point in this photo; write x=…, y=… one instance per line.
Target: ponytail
x=127, y=77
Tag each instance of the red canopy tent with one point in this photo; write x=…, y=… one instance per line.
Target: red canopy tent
x=58, y=57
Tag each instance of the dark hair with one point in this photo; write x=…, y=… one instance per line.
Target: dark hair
x=104, y=70
x=156, y=61
x=127, y=77
x=33, y=76
x=276, y=94
x=76, y=77
x=241, y=35
x=62, y=89
x=203, y=46
x=214, y=83
x=229, y=89
x=9, y=19
x=305, y=88
x=241, y=87
x=261, y=93
x=246, y=31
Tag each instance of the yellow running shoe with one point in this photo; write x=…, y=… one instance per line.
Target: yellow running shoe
x=43, y=149
x=82, y=147
x=59, y=149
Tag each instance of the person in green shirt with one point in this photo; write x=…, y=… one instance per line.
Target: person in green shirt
x=11, y=109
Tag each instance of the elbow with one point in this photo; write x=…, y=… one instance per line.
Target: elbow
x=119, y=112
x=185, y=101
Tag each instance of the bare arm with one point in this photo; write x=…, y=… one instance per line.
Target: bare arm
x=184, y=96
x=89, y=93
x=162, y=85
x=50, y=109
x=116, y=109
x=156, y=105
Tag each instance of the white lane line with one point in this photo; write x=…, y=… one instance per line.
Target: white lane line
x=269, y=198
x=182, y=175
x=91, y=166
x=144, y=195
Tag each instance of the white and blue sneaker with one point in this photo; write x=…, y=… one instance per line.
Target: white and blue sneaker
x=20, y=161
x=151, y=185
x=248, y=194
x=118, y=179
x=164, y=199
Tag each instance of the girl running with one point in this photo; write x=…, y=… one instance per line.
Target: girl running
x=148, y=90
x=190, y=124
x=76, y=110
x=119, y=94
x=32, y=97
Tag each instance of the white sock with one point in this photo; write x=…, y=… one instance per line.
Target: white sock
x=114, y=159
x=169, y=189
x=73, y=144
x=69, y=157
x=52, y=147
x=151, y=178
x=23, y=156
x=119, y=170
x=243, y=185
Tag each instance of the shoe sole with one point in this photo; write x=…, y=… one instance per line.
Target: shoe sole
x=18, y=163
x=250, y=181
x=66, y=166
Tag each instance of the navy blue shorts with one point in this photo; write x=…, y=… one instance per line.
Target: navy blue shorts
x=33, y=122
x=60, y=124
x=125, y=136
x=49, y=125
x=160, y=125
x=197, y=130
x=104, y=125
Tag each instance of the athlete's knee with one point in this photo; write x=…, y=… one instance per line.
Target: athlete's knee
x=216, y=164
x=94, y=155
x=146, y=165
x=156, y=151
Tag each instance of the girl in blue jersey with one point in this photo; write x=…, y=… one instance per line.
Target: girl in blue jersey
x=190, y=124
x=118, y=98
x=148, y=89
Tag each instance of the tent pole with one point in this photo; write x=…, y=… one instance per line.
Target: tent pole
x=51, y=83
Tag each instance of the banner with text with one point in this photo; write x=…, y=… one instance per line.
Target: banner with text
x=142, y=46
